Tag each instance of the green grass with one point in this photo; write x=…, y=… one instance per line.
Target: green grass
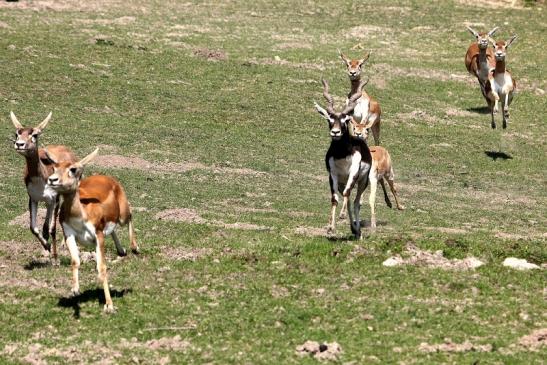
x=131, y=77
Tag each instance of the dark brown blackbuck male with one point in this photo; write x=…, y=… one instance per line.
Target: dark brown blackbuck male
x=479, y=58
x=37, y=170
x=348, y=160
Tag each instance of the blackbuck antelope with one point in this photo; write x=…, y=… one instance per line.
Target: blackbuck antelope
x=367, y=109
x=382, y=168
x=479, y=58
x=37, y=170
x=348, y=160
x=90, y=210
x=501, y=85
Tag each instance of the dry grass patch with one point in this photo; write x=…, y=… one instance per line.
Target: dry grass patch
x=449, y=346
x=152, y=351
x=191, y=216
x=418, y=257
x=138, y=163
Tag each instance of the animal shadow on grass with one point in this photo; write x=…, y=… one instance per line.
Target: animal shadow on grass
x=88, y=295
x=479, y=110
x=494, y=155
x=36, y=264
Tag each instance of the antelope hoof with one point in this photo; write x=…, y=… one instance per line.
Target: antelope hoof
x=135, y=250
x=122, y=253
x=493, y=125
x=109, y=309
x=331, y=231
x=342, y=215
x=401, y=207
x=373, y=224
x=388, y=203
x=55, y=261
x=74, y=292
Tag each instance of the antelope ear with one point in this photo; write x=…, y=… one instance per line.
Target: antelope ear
x=14, y=120
x=45, y=156
x=87, y=159
x=44, y=123
x=472, y=31
x=510, y=41
x=321, y=111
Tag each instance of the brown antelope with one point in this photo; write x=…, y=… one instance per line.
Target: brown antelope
x=501, y=84
x=90, y=210
x=348, y=160
x=367, y=109
x=479, y=58
x=37, y=170
x=381, y=169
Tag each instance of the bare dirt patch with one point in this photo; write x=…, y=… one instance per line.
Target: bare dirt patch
x=320, y=351
x=495, y=4
x=23, y=220
x=365, y=32
x=453, y=112
x=185, y=253
x=33, y=352
x=418, y=115
x=449, y=346
x=429, y=259
x=311, y=231
x=210, y=54
x=191, y=216
x=447, y=230
x=119, y=162
x=277, y=61
x=180, y=215
x=98, y=6
x=534, y=341
x=137, y=163
x=164, y=343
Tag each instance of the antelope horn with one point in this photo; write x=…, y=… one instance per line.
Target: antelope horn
x=328, y=97
x=84, y=161
x=343, y=56
x=43, y=125
x=365, y=58
x=491, y=33
x=14, y=120
x=474, y=32
x=510, y=40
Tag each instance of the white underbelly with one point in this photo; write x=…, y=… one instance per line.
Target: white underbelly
x=361, y=110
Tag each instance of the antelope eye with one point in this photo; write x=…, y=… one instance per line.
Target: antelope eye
x=73, y=171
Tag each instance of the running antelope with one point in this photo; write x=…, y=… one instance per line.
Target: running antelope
x=479, y=59
x=90, y=210
x=381, y=169
x=367, y=109
x=501, y=84
x=37, y=170
x=348, y=160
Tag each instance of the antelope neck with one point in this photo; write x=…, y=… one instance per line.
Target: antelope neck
x=34, y=166
x=500, y=67
x=355, y=86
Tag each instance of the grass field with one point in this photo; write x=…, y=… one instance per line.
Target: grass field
x=204, y=111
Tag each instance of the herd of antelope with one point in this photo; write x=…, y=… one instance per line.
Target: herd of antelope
x=351, y=162
x=89, y=209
